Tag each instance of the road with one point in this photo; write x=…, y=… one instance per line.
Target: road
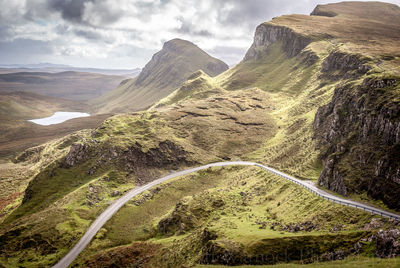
x=113, y=208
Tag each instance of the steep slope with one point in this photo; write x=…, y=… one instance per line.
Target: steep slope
x=303, y=95
x=325, y=61
x=166, y=70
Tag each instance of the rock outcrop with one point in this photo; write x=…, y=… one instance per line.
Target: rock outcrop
x=346, y=65
x=319, y=11
x=132, y=158
x=267, y=34
x=279, y=250
x=387, y=243
x=77, y=153
x=359, y=136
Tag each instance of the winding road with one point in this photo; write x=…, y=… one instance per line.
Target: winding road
x=113, y=208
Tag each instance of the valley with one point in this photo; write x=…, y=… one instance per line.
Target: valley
x=173, y=167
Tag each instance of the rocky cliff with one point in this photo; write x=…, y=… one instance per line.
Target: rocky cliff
x=359, y=136
x=344, y=65
x=267, y=34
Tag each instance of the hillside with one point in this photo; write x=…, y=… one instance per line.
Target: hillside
x=67, y=85
x=166, y=70
x=354, y=82
x=314, y=97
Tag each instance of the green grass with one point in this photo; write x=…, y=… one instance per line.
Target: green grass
x=267, y=199
x=292, y=148
x=135, y=222
x=268, y=73
x=49, y=186
x=351, y=262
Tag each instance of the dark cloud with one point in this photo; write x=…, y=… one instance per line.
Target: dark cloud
x=71, y=10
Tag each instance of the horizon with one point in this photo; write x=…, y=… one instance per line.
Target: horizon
x=112, y=35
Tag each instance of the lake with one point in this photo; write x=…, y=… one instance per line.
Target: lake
x=57, y=118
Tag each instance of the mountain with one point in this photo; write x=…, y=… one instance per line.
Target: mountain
x=68, y=85
x=34, y=65
x=58, y=68
x=166, y=70
x=315, y=96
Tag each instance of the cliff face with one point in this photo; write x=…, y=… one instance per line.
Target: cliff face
x=345, y=65
x=359, y=136
x=267, y=34
x=319, y=11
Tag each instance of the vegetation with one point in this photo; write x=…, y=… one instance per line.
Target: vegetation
x=351, y=262
x=263, y=109
x=234, y=210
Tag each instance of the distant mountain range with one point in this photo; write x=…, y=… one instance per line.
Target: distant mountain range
x=55, y=68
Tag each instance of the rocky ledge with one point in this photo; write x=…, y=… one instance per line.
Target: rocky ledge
x=344, y=65
x=267, y=34
x=359, y=137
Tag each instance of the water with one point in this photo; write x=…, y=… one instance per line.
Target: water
x=57, y=118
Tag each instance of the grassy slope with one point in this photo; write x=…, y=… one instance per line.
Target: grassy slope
x=351, y=262
x=63, y=193
x=296, y=100
x=229, y=202
x=165, y=72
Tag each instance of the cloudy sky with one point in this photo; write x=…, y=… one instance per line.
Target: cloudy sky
x=125, y=33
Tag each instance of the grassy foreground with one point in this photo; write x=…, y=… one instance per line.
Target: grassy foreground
x=351, y=262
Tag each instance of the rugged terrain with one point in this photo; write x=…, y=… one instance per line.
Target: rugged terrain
x=166, y=70
x=311, y=97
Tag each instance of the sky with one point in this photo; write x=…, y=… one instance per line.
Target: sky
x=124, y=34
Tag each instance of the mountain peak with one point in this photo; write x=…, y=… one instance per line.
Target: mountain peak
x=164, y=73
x=174, y=60
x=179, y=44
